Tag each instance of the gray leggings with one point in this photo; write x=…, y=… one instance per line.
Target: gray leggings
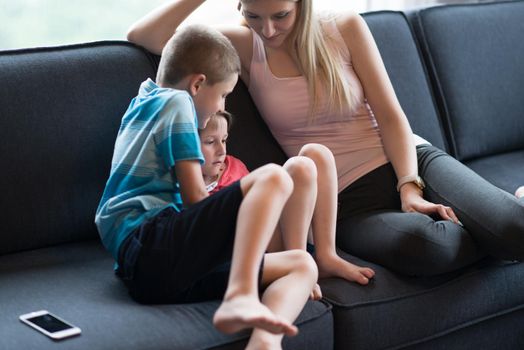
x=372, y=226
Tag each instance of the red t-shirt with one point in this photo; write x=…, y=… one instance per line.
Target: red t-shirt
x=234, y=171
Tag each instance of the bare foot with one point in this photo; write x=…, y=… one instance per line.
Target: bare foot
x=316, y=293
x=519, y=193
x=242, y=312
x=335, y=266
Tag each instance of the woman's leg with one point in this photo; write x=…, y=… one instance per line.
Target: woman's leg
x=372, y=226
x=287, y=277
x=265, y=191
x=293, y=228
x=519, y=193
x=493, y=217
x=409, y=243
x=325, y=217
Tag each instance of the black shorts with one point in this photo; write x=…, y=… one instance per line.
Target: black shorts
x=181, y=257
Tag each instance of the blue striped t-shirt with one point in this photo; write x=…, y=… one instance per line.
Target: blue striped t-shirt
x=158, y=129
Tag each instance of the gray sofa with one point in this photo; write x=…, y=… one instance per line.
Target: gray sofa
x=459, y=74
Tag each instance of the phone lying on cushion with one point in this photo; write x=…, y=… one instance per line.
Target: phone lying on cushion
x=49, y=324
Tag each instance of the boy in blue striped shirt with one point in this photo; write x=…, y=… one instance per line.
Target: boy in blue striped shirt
x=171, y=241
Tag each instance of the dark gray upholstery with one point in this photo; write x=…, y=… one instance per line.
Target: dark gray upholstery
x=480, y=89
x=505, y=170
x=396, y=311
x=60, y=115
x=407, y=72
x=60, y=112
x=75, y=281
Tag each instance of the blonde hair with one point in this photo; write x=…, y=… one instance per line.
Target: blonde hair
x=319, y=61
x=197, y=49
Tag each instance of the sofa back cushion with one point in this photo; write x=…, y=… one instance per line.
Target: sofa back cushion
x=60, y=113
x=476, y=55
x=406, y=70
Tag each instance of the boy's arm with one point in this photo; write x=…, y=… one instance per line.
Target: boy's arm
x=189, y=177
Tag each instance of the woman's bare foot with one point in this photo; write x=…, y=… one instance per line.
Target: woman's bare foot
x=242, y=312
x=316, y=293
x=335, y=266
x=519, y=193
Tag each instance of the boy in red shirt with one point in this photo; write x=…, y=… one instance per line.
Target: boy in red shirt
x=220, y=169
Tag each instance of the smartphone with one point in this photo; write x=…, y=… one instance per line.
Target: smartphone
x=49, y=324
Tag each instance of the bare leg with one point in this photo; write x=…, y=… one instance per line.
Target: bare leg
x=288, y=275
x=324, y=220
x=298, y=212
x=266, y=191
x=276, y=245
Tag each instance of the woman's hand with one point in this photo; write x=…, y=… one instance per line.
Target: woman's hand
x=412, y=201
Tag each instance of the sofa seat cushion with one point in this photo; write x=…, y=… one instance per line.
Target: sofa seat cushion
x=503, y=170
x=394, y=311
x=76, y=282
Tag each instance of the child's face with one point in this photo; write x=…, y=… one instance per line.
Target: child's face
x=211, y=99
x=213, y=143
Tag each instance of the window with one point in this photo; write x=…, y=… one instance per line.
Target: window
x=30, y=23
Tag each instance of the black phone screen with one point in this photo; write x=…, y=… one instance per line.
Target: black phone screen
x=49, y=323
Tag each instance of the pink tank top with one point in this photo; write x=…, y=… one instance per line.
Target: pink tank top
x=284, y=104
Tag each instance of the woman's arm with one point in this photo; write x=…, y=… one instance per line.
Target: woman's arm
x=395, y=130
x=154, y=30
x=394, y=127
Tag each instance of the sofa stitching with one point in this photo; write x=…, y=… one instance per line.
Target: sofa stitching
x=409, y=294
x=458, y=327
x=448, y=142
x=434, y=77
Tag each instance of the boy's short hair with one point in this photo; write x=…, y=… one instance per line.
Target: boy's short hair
x=197, y=49
x=213, y=121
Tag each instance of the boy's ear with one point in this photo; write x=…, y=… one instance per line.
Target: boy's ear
x=195, y=83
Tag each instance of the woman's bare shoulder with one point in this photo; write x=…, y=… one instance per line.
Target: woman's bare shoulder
x=242, y=39
x=354, y=30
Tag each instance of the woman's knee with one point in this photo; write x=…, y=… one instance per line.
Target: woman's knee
x=438, y=248
x=320, y=154
x=409, y=243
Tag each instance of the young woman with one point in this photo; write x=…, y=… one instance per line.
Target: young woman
x=402, y=203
